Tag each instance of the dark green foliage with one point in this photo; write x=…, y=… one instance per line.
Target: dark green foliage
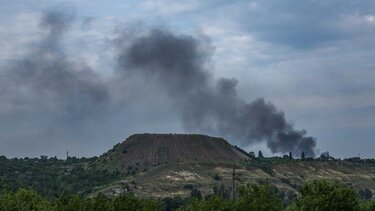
x=324, y=156
x=131, y=202
x=51, y=177
x=251, y=197
x=252, y=155
x=265, y=164
x=217, y=177
x=367, y=206
x=195, y=193
x=101, y=202
x=67, y=202
x=221, y=191
x=319, y=195
x=322, y=195
x=365, y=194
x=172, y=204
x=259, y=198
x=212, y=203
x=23, y=200
x=260, y=154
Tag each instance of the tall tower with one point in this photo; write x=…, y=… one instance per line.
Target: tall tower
x=67, y=154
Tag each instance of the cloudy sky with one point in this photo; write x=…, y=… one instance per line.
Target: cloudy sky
x=59, y=61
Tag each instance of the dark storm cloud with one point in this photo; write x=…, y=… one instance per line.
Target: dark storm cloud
x=178, y=64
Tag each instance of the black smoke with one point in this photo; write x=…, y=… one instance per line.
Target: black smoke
x=46, y=88
x=178, y=63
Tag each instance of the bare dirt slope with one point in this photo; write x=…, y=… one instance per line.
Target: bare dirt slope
x=141, y=151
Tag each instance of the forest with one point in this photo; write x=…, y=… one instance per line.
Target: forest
x=316, y=195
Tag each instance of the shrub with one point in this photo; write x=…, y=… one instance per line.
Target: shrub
x=322, y=195
x=259, y=198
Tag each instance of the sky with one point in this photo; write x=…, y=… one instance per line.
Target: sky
x=70, y=78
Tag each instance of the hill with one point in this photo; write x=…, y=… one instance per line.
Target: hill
x=142, y=151
x=162, y=165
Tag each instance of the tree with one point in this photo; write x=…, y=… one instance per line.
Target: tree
x=67, y=202
x=367, y=205
x=303, y=156
x=23, y=200
x=323, y=195
x=260, y=154
x=259, y=198
x=100, y=202
x=324, y=156
x=174, y=203
x=252, y=154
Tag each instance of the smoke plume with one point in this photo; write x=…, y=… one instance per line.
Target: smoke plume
x=178, y=64
x=46, y=79
x=46, y=87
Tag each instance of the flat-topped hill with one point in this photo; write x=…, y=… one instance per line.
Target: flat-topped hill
x=141, y=150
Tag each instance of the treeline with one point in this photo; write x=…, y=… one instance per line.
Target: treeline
x=324, y=156
x=51, y=176
x=317, y=195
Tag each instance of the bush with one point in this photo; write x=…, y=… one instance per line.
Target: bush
x=23, y=200
x=322, y=195
x=365, y=194
x=212, y=203
x=367, y=206
x=217, y=177
x=259, y=198
x=195, y=193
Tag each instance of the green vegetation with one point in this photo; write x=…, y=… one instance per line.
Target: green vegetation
x=50, y=177
x=317, y=195
x=322, y=195
x=259, y=197
x=186, y=176
x=24, y=200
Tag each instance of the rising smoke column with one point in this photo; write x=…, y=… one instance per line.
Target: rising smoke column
x=46, y=81
x=178, y=64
